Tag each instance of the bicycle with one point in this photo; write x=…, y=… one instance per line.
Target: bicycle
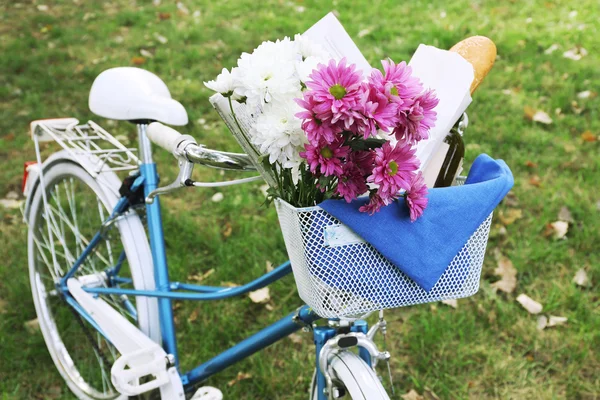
x=90, y=259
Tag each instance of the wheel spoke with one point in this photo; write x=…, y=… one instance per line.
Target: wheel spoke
x=62, y=226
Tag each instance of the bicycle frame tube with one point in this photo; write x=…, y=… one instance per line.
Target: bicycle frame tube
x=203, y=292
x=157, y=244
x=249, y=346
x=120, y=206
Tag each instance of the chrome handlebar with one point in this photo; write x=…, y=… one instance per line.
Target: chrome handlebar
x=188, y=152
x=198, y=154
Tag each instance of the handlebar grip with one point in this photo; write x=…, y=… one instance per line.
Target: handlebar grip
x=163, y=136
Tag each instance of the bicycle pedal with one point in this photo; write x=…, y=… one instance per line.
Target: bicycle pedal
x=140, y=371
x=207, y=393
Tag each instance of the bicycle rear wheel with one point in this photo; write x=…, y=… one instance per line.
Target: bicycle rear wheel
x=59, y=229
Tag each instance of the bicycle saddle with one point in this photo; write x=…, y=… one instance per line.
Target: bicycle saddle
x=128, y=93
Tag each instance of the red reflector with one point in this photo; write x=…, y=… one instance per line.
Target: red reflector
x=26, y=173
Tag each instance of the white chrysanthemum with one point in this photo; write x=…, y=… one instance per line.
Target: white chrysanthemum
x=283, y=50
x=269, y=73
x=266, y=79
x=278, y=133
x=308, y=48
x=306, y=67
x=223, y=84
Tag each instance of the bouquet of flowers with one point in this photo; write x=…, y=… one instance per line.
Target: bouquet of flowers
x=327, y=130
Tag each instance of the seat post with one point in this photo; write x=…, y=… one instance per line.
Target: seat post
x=144, y=144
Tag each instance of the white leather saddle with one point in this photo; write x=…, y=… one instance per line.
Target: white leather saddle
x=128, y=93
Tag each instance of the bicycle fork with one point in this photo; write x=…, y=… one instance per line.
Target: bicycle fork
x=329, y=341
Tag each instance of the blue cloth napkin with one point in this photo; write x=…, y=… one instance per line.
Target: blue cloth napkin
x=423, y=249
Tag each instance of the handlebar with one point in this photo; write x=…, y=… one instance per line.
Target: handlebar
x=185, y=146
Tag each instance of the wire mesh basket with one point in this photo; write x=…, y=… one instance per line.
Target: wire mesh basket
x=350, y=280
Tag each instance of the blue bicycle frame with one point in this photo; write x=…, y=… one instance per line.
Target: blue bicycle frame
x=166, y=291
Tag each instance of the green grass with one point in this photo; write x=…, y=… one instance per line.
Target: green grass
x=486, y=348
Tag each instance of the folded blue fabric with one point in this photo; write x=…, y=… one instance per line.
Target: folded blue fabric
x=423, y=249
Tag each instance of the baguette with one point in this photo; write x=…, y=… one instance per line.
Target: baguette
x=480, y=51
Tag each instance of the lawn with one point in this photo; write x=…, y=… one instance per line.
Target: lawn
x=489, y=346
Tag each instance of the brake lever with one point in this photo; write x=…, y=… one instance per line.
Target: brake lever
x=183, y=178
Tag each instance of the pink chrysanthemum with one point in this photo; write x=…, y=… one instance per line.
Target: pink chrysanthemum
x=394, y=168
x=378, y=111
x=417, y=118
x=325, y=158
x=363, y=160
x=374, y=205
x=351, y=182
x=315, y=128
x=337, y=90
x=397, y=82
x=416, y=197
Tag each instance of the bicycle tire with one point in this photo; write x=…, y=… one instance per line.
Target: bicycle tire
x=133, y=243
x=359, y=380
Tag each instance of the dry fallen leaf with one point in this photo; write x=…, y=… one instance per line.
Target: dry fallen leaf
x=364, y=32
x=450, y=302
x=227, y=230
x=260, y=295
x=201, y=277
x=136, y=60
x=588, y=136
x=535, y=181
x=530, y=164
x=240, y=377
x=508, y=275
x=510, y=216
x=575, y=54
x=182, y=9
x=32, y=326
x=542, y=322
x=161, y=38
x=412, y=395
x=580, y=278
x=10, y=203
x=541, y=117
x=217, y=197
x=551, y=49
x=229, y=284
x=269, y=266
x=555, y=321
x=193, y=316
x=529, y=112
x=560, y=229
x=575, y=107
x=146, y=53
x=565, y=215
x=295, y=338
x=537, y=115
x=532, y=306
x=164, y=16
x=428, y=394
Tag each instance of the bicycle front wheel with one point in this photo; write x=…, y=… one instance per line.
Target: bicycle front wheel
x=65, y=212
x=354, y=377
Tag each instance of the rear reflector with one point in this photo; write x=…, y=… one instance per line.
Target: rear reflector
x=26, y=168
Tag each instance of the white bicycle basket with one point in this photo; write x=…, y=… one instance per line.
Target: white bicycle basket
x=351, y=280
